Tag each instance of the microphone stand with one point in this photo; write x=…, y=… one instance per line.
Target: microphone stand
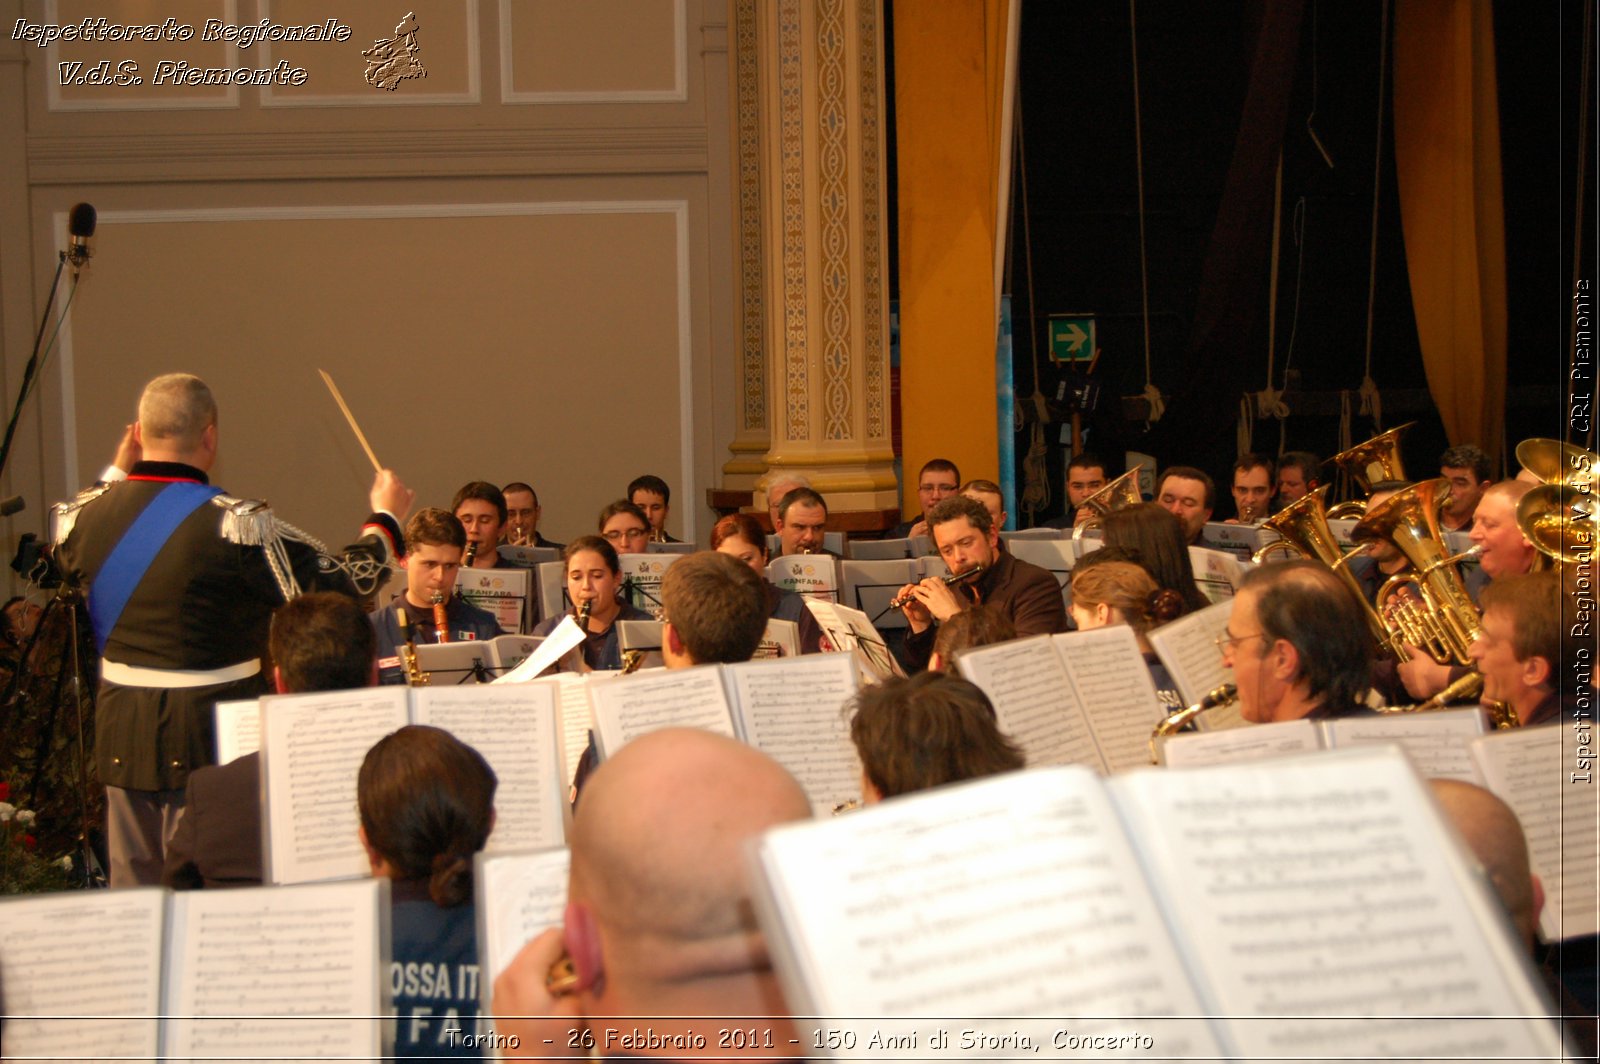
x=33, y=362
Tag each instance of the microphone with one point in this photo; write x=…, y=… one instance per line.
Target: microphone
x=81, y=225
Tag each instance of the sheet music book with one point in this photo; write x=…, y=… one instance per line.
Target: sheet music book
x=238, y=726
x=1532, y=770
x=471, y=661
x=851, y=631
x=1081, y=698
x=521, y=894
x=1150, y=902
x=528, y=557
x=816, y=576
x=792, y=709
x=1188, y=648
x=1437, y=743
x=503, y=592
x=1240, y=541
x=780, y=640
x=256, y=972
x=313, y=746
x=670, y=548
x=1216, y=572
x=641, y=579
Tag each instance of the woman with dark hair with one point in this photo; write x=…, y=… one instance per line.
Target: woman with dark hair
x=1111, y=592
x=926, y=731
x=426, y=801
x=1155, y=537
x=594, y=576
x=740, y=536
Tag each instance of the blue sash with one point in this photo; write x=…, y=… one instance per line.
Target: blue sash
x=130, y=559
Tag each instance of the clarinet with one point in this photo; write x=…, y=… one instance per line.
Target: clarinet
x=441, y=619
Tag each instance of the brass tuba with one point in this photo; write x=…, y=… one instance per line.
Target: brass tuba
x=1119, y=494
x=1369, y=463
x=1303, y=524
x=1446, y=622
x=1559, y=517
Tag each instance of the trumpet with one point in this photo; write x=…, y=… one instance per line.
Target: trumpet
x=441, y=618
x=899, y=602
x=1215, y=698
x=408, y=650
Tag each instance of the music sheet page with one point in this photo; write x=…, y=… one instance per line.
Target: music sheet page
x=1278, y=739
x=793, y=711
x=1315, y=894
x=268, y=957
x=1188, y=647
x=1530, y=770
x=1027, y=683
x=626, y=707
x=520, y=896
x=1438, y=743
x=576, y=718
x=514, y=728
x=77, y=954
x=1116, y=692
x=312, y=748
x=238, y=729
x=1015, y=896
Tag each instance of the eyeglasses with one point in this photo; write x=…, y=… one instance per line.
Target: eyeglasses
x=616, y=535
x=1225, y=642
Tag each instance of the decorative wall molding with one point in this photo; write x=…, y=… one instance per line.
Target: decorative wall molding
x=678, y=93
x=56, y=159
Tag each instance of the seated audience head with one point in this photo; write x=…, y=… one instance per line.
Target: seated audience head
x=1154, y=536
x=594, y=575
x=715, y=610
x=321, y=641
x=435, y=540
x=964, y=533
x=1252, y=486
x=1519, y=649
x=21, y=618
x=178, y=421
x=659, y=920
x=740, y=537
x=426, y=801
x=1494, y=837
x=993, y=499
x=937, y=481
x=978, y=627
x=1086, y=474
x=653, y=498
x=1115, y=592
x=481, y=508
x=926, y=731
x=1299, y=474
x=522, y=513
x=802, y=522
x=778, y=488
x=1297, y=643
x=1468, y=470
x=1188, y=494
x=1505, y=550
x=625, y=527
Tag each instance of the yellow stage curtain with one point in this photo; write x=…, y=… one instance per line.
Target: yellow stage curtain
x=949, y=85
x=1447, y=159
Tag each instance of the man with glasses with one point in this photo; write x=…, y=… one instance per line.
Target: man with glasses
x=1297, y=644
x=936, y=482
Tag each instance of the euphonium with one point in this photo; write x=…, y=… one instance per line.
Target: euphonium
x=1446, y=622
x=1119, y=494
x=1303, y=524
x=1555, y=462
x=1213, y=699
x=1369, y=463
x=408, y=650
x=1561, y=521
x=441, y=618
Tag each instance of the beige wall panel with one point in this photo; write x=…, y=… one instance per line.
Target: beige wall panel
x=464, y=346
x=447, y=48
x=572, y=51
x=145, y=56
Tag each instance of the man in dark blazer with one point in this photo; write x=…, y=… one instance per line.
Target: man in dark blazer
x=319, y=642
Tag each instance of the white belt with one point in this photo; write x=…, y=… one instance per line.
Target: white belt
x=134, y=676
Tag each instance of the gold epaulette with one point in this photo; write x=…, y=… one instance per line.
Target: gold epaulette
x=65, y=514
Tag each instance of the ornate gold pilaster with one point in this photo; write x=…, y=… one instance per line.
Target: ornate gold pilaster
x=816, y=185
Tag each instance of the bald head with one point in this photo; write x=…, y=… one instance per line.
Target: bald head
x=1491, y=831
x=658, y=852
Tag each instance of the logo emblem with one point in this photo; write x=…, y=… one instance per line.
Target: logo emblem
x=389, y=62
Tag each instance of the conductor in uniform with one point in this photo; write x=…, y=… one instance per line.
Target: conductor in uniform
x=181, y=582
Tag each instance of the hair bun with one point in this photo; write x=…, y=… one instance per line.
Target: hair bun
x=1163, y=605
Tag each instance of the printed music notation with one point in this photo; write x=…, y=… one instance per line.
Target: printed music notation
x=793, y=710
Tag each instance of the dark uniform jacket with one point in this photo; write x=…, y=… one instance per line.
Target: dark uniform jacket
x=204, y=603
x=218, y=841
